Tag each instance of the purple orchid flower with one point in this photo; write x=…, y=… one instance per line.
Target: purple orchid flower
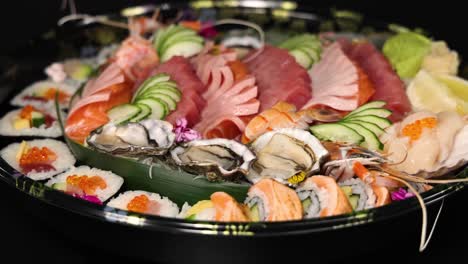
x=401, y=194
x=183, y=133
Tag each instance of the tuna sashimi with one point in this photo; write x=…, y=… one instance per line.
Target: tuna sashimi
x=182, y=72
x=279, y=78
x=230, y=96
x=338, y=82
x=388, y=86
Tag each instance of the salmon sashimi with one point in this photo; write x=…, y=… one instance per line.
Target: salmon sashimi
x=321, y=196
x=269, y=200
x=279, y=77
x=338, y=82
x=227, y=208
x=281, y=115
x=231, y=96
x=99, y=95
x=388, y=86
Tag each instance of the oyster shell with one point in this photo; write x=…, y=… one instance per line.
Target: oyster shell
x=149, y=137
x=287, y=155
x=215, y=158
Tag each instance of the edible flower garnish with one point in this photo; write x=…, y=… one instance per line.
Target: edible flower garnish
x=183, y=133
x=89, y=198
x=401, y=194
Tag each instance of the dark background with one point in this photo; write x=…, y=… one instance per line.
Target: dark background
x=19, y=232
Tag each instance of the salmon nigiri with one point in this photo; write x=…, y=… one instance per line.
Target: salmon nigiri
x=269, y=200
x=321, y=196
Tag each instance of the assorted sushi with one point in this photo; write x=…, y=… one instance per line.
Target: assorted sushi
x=307, y=129
x=31, y=121
x=43, y=93
x=39, y=159
x=87, y=183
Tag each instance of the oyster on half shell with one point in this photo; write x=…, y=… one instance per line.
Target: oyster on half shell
x=146, y=138
x=214, y=158
x=286, y=155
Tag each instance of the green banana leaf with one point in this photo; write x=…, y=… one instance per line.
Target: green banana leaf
x=178, y=185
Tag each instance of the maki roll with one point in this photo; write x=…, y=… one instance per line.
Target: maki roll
x=39, y=159
x=221, y=207
x=321, y=196
x=365, y=196
x=30, y=121
x=42, y=94
x=269, y=200
x=87, y=183
x=145, y=203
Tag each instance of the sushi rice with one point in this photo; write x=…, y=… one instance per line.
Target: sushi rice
x=113, y=181
x=318, y=197
x=29, y=91
x=167, y=207
x=366, y=195
x=7, y=128
x=65, y=158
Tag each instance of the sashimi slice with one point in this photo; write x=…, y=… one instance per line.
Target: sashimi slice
x=388, y=86
x=279, y=77
x=136, y=57
x=335, y=80
x=182, y=72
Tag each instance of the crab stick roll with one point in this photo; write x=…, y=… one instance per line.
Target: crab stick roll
x=90, y=184
x=269, y=200
x=39, y=159
x=145, y=203
x=221, y=207
x=321, y=196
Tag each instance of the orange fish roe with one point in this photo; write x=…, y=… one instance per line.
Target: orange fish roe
x=50, y=95
x=415, y=129
x=37, y=155
x=26, y=112
x=139, y=204
x=87, y=184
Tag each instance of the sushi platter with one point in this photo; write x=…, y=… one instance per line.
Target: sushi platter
x=213, y=129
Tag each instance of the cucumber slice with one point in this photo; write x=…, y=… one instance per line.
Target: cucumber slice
x=337, y=133
x=159, y=108
x=371, y=141
x=372, y=127
x=185, y=49
x=168, y=45
x=302, y=58
x=377, y=120
x=178, y=37
x=60, y=186
x=373, y=104
x=37, y=119
x=381, y=112
x=123, y=113
x=171, y=103
x=145, y=112
x=169, y=91
x=354, y=201
x=151, y=82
